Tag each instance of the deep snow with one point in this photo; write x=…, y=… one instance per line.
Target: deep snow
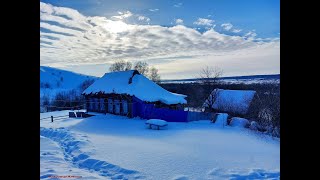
x=239, y=122
x=117, y=147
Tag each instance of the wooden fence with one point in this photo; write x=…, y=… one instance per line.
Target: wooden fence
x=196, y=116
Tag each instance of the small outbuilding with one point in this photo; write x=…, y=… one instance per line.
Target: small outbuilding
x=234, y=102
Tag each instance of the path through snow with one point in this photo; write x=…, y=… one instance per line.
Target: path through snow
x=71, y=148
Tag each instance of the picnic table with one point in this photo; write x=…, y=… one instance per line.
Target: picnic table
x=79, y=114
x=157, y=123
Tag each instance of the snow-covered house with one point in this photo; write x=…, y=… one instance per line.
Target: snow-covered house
x=229, y=101
x=129, y=93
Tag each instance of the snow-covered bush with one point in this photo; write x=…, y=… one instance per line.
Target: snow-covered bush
x=265, y=115
x=276, y=132
x=265, y=108
x=239, y=122
x=273, y=131
x=254, y=126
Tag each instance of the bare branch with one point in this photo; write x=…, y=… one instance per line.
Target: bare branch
x=210, y=75
x=120, y=65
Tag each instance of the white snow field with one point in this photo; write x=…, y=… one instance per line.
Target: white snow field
x=116, y=147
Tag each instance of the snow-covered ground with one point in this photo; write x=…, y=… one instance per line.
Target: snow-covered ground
x=116, y=147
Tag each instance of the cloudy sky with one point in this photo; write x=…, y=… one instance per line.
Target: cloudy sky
x=178, y=37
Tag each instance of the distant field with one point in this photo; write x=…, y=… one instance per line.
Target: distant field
x=274, y=78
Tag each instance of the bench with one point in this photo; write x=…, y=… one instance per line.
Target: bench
x=72, y=115
x=78, y=114
x=157, y=123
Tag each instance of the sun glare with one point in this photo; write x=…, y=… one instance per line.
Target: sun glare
x=116, y=26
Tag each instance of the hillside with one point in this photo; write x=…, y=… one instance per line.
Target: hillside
x=54, y=78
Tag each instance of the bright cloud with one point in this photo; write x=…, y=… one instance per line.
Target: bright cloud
x=203, y=22
x=250, y=35
x=226, y=26
x=153, y=10
x=123, y=15
x=236, y=30
x=68, y=38
x=143, y=18
x=229, y=27
x=179, y=21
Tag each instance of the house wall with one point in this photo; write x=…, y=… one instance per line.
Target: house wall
x=109, y=103
x=113, y=103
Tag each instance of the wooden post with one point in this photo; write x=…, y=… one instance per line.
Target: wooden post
x=51, y=118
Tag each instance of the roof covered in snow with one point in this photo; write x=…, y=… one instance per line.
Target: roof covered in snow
x=134, y=84
x=235, y=101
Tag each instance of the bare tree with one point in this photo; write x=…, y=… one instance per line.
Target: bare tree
x=154, y=76
x=128, y=66
x=265, y=108
x=208, y=78
x=120, y=65
x=210, y=75
x=211, y=100
x=142, y=67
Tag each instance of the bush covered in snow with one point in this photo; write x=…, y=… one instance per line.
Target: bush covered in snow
x=239, y=122
x=254, y=126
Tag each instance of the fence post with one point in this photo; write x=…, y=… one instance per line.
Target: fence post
x=51, y=118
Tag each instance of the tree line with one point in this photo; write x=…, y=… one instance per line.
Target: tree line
x=141, y=66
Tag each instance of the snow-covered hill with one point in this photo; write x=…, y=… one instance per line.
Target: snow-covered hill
x=62, y=79
x=53, y=80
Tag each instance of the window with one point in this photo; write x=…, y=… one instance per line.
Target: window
x=117, y=106
x=110, y=105
x=102, y=108
x=124, y=107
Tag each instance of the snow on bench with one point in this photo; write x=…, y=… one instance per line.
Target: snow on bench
x=156, y=122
